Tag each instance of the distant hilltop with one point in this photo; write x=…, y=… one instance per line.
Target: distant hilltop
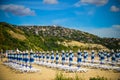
x=51, y=38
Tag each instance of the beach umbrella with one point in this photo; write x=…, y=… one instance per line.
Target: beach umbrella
x=117, y=55
x=108, y=56
x=70, y=58
x=37, y=56
x=92, y=56
x=40, y=56
x=63, y=57
x=113, y=59
x=26, y=58
x=79, y=58
x=20, y=58
x=16, y=58
x=57, y=57
x=52, y=57
x=47, y=56
x=23, y=58
x=8, y=57
x=43, y=56
x=85, y=55
x=31, y=59
x=102, y=57
x=99, y=54
x=67, y=56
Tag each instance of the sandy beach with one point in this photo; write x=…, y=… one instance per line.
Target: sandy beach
x=6, y=73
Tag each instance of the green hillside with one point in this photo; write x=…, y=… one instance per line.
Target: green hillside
x=51, y=38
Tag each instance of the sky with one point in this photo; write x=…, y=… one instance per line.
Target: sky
x=99, y=17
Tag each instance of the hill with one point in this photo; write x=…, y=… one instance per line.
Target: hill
x=51, y=38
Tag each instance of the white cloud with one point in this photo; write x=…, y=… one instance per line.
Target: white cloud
x=114, y=8
x=50, y=1
x=94, y=2
x=113, y=31
x=17, y=10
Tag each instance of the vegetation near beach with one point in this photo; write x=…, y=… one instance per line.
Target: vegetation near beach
x=61, y=76
x=51, y=38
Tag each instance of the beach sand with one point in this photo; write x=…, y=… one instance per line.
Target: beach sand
x=6, y=73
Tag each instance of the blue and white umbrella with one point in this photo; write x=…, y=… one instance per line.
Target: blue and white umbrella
x=70, y=58
x=79, y=58
x=99, y=55
x=102, y=57
x=92, y=56
x=52, y=57
x=21, y=57
x=47, y=56
x=40, y=56
x=8, y=57
x=117, y=56
x=26, y=58
x=113, y=59
x=108, y=56
x=15, y=59
x=119, y=53
x=67, y=56
x=31, y=59
x=63, y=57
x=18, y=58
x=57, y=57
x=37, y=56
x=85, y=55
x=43, y=56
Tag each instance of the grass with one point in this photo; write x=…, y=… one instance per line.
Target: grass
x=60, y=76
x=98, y=78
x=17, y=35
